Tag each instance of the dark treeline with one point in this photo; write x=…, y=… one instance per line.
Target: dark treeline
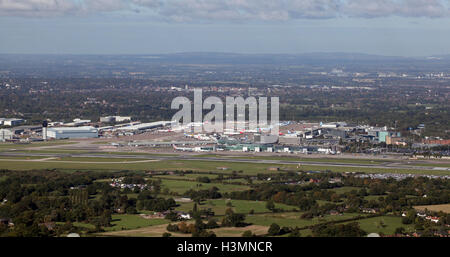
x=48, y=202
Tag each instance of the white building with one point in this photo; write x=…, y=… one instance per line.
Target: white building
x=115, y=119
x=6, y=134
x=78, y=122
x=122, y=118
x=72, y=132
x=11, y=122
x=145, y=126
x=108, y=119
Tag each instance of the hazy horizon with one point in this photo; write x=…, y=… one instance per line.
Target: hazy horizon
x=389, y=28
x=227, y=53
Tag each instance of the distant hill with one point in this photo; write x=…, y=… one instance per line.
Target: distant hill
x=74, y=65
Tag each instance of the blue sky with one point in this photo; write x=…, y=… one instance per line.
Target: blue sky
x=387, y=27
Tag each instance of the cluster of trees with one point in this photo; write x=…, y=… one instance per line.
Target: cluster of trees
x=199, y=195
x=34, y=209
x=48, y=202
x=390, y=195
x=134, y=179
x=232, y=219
x=427, y=228
x=197, y=229
x=338, y=230
x=276, y=230
x=200, y=228
x=204, y=179
x=146, y=201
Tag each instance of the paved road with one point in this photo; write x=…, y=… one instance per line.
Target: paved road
x=388, y=165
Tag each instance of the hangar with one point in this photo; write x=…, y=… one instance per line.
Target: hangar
x=72, y=132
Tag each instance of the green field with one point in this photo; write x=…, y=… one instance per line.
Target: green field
x=341, y=190
x=324, y=160
x=442, y=165
x=9, y=146
x=219, y=206
x=383, y=224
x=212, y=166
x=293, y=219
x=99, y=159
x=373, y=197
x=189, y=177
x=180, y=186
x=76, y=163
x=22, y=158
x=132, y=221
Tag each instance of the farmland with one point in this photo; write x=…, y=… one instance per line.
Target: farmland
x=219, y=206
x=437, y=208
x=288, y=191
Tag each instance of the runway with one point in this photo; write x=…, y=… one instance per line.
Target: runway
x=155, y=157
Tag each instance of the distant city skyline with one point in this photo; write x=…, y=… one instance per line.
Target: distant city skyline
x=385, y=27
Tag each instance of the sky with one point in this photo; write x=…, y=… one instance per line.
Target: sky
x=384, y=27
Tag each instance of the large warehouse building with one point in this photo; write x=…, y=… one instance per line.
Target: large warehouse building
x=145, y=126
x=72, y=132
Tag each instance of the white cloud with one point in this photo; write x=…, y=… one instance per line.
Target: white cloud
x=37, y=7
x=231, y=10
x=105, y=5
x=405, y=8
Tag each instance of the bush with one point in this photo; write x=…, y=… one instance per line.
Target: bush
x=247, y=233
x=172, y=227
x=274, y=229
x=204, y=179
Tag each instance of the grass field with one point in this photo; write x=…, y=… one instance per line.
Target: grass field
x=249, y=168
x=383, y=224
x=341, y=190
x=149, y=231
x=9, y=146
x=191, y=177
x=260, y=225
x=324, y=160
x=76, y=163
x=210, y=166
x=437, y=208
x=99, y=159
x=292, y=219
x=132, y=221
x=219, y=206
x=237, y=232
x=443, y=165
x=21, y=157
x=373, y=197
x=181, y=186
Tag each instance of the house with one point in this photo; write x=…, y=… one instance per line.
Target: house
x=334, y=180
x=369, y=210
x=7, y=222
x=432, y=219
x=186, y=216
